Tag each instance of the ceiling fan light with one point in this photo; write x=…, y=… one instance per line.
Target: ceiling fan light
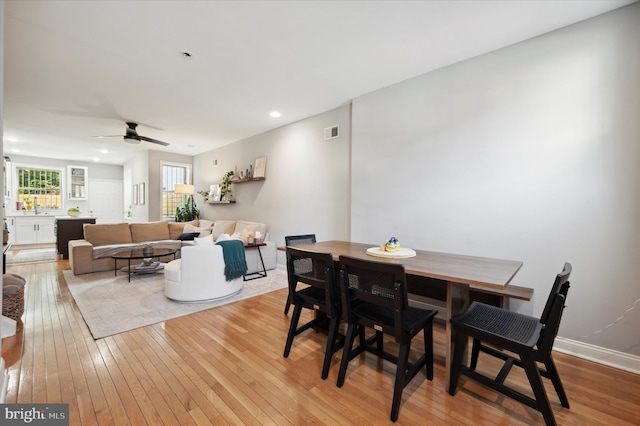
x=129, y=139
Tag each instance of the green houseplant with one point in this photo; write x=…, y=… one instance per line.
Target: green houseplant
x=226, y=185
x=187, y=212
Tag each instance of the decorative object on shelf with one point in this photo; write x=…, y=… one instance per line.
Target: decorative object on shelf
x=205, y=195
x=259, y=168
x=189, y=211
x=74, y=211
x=226, y=192
x=215, y=192
x=141, y=193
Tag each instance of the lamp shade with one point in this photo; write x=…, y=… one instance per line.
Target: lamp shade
x=181, y=188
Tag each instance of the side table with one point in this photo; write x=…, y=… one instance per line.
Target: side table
x=258, y=274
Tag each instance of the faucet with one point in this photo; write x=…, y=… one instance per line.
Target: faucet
x=35, y=205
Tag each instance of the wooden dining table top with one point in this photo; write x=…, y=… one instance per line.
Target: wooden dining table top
x=482, y=272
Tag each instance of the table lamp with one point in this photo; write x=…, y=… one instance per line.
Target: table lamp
x=184, y=189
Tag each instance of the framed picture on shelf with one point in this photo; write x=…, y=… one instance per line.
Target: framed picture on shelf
x=215, y=192
x=135, y=194
x=141, y=194
x=259, y=167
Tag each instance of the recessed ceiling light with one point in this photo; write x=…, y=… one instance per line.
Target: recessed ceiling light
x=104, y=151
x=274, y=114
x=10, y=139
x=15, y=150
x=96, y=159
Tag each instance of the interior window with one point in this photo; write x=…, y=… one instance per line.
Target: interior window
x=38, y=188
x=173, y=174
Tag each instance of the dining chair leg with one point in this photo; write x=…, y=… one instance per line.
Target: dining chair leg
x=475, y=351
x=401, y=372
x=297, y=310
x=535, y=380
x=428, y=349
x=552, y=372
x=331, y=346
x=346, y=353
x=287, y=306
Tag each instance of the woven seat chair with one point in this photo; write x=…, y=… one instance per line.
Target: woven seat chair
x=320, y=294
x=527, y=339
x=374, y=295
x=293, y=240
x=13, y=296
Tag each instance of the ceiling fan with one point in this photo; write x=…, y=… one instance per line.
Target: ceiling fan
x=132, y=136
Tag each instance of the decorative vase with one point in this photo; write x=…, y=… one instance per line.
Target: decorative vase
x=147, y=250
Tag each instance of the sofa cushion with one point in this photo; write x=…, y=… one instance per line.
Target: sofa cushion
x=107, y=233
x=151, y=231
x=177, y=228
x=223, y=226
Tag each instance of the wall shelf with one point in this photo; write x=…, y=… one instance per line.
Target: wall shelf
x=247, y=180
x=220, y=202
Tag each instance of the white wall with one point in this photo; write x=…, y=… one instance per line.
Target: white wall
x=528, y=153
x=306, y=188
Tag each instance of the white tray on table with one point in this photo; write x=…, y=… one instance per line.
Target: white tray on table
x=396, y=254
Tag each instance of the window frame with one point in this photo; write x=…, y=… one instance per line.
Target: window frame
x=188, y=178
x=15, y=184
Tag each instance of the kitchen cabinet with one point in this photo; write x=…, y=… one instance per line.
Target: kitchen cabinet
x=77, y=183
x=34, y=230
x=70, y=229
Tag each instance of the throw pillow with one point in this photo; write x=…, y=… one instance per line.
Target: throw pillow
x=205, y=223
x=203, y=230
x=223, y=237
x=188, y=236
x=204, y=241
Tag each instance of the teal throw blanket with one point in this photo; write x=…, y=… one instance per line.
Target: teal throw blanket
x=235, y=264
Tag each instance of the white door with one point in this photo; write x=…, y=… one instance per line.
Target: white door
x=106, y=200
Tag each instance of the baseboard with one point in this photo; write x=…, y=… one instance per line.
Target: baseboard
x=615, y=359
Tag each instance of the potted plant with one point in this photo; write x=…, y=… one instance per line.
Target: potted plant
x=187, y=212
x=205, y=195
x=226, y=185
x=74, y=211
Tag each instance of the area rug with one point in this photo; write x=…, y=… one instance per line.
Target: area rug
x=31, y=255
x=110, y=304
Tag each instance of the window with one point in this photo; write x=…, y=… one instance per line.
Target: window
x=38, y=187
x=173, y=173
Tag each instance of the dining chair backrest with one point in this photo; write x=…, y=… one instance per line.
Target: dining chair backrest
x=293, y=240
x=378, y=283
x=316, y=270
x=552, y=312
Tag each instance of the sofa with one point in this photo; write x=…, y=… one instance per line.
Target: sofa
x=101, y=241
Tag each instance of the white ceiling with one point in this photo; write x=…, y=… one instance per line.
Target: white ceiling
x=77, y=69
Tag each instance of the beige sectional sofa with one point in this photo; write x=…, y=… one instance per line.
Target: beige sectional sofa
x=101, y=241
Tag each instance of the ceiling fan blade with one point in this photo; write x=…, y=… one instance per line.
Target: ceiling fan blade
x=146, y=139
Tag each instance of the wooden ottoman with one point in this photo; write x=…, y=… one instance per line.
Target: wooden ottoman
x=13, y=296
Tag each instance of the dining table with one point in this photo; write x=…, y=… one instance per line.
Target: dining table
x=455, y=275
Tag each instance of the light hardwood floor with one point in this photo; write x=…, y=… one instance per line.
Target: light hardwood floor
x=225, y=366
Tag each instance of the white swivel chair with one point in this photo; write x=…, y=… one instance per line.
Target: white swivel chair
x=198, y=275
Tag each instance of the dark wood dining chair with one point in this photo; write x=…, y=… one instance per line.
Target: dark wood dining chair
x=374, y=295
x=527, y=340
x=292, y=240
x=320, y=294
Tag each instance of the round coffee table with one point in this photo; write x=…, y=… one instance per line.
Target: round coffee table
x=137, y=254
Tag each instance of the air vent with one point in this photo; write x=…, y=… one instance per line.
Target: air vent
x=331, y=132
